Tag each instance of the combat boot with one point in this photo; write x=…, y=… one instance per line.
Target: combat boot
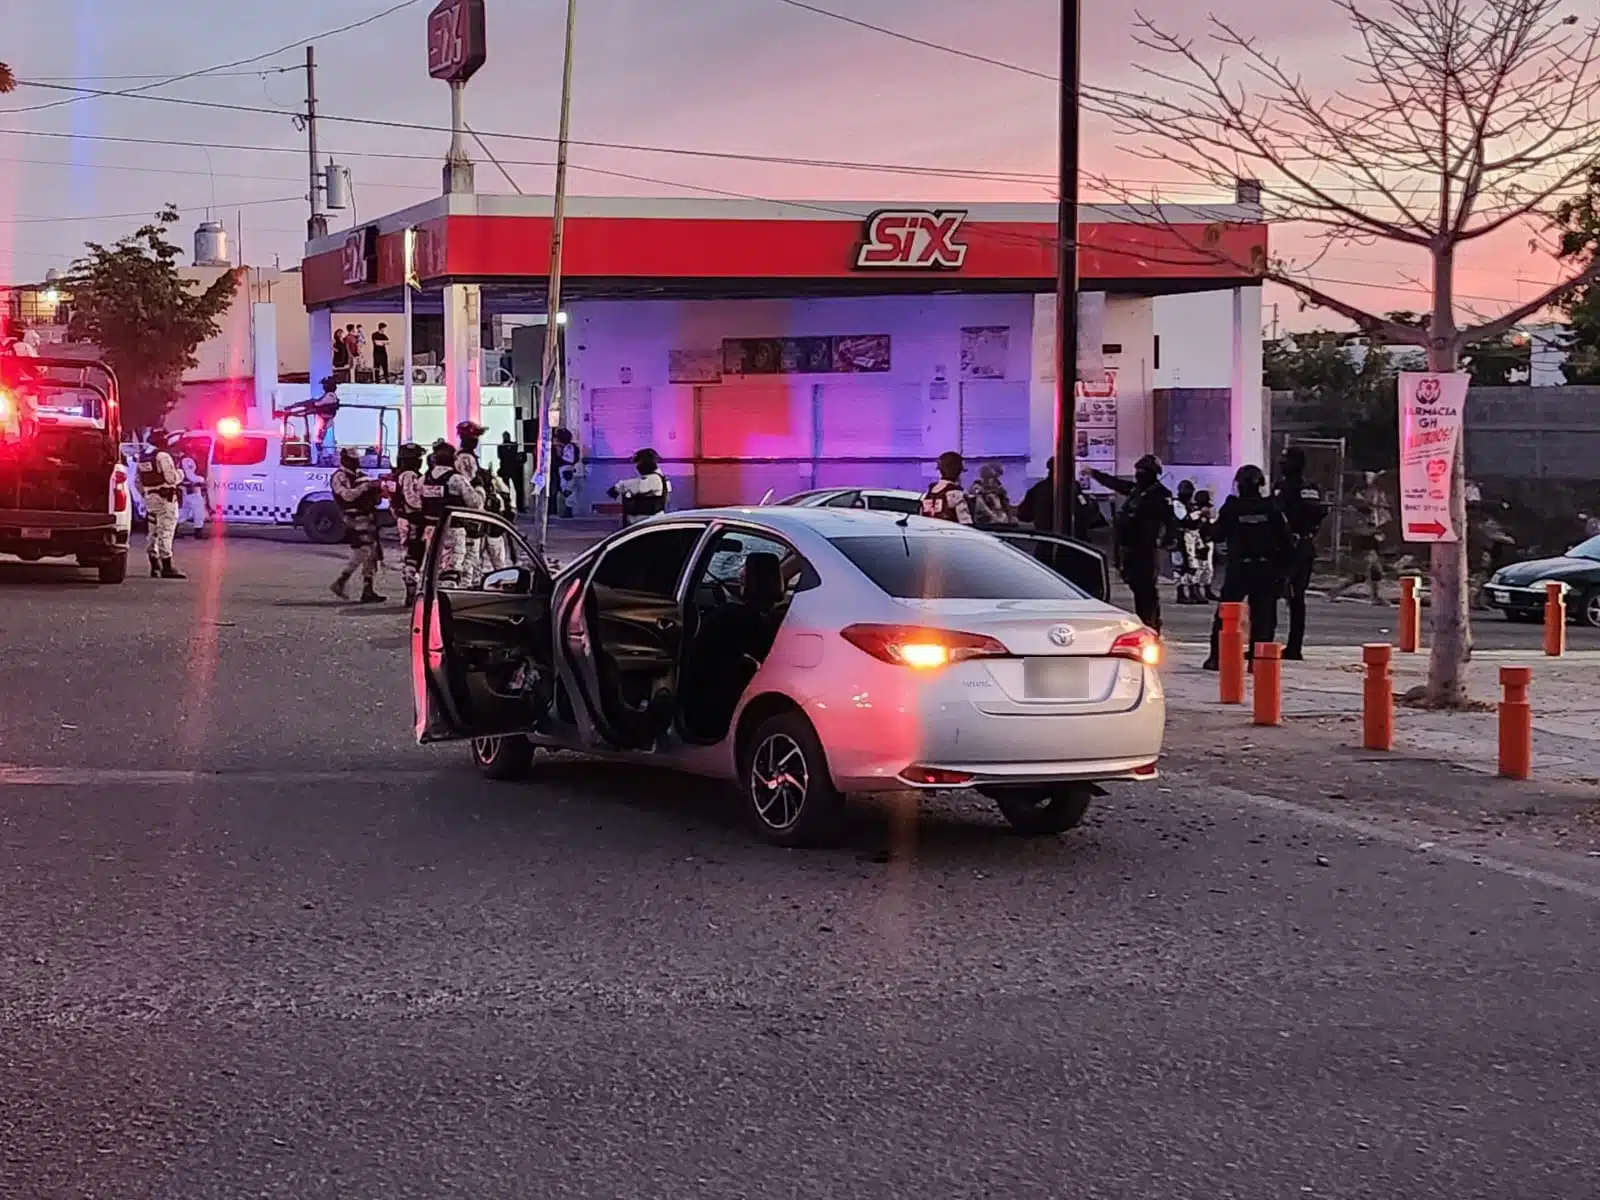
x=369, y=594
x=411, y=595
x=155, y=567
x=337, y=587
x=168, y=571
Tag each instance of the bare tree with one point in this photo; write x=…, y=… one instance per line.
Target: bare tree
x=1463, y=117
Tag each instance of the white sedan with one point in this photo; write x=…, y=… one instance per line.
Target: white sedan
x=800, y=653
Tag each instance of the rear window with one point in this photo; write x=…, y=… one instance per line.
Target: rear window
x=953, y=568
x=239, y=451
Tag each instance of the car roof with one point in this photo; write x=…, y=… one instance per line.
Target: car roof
x=823, y=522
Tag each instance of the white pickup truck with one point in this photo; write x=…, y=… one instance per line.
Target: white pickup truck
x=263, y=477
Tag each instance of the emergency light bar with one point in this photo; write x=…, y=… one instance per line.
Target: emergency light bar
x=229, y=427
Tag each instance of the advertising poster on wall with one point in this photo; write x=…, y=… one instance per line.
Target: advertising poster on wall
x=1431, y=412
x=694, y=366
x=984, y=351
x=1096, y=424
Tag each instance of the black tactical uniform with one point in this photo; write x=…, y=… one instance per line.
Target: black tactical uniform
x=1303, y=509
x=1144, y=524
x=1257, y=536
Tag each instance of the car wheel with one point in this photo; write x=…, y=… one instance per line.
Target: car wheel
x=503, y=758
x=789, y=794
x=1042, y=811
x=323, y=522
x=113, y=570
x=1588, y=609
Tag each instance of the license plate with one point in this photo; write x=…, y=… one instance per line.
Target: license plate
x=1055, y=679
x=36, y=535
x=1500, y=595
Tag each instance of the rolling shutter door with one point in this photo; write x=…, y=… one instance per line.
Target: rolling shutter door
x=621, y=422
x=872, y=421
x=994, y=420
x=743, y=423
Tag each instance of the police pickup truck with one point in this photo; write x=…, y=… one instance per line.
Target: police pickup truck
x=64, y=491
x=258, y=478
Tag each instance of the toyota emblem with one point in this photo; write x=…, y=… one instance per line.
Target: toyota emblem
x=1062, y=635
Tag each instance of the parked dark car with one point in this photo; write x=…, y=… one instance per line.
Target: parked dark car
x=1518, y=590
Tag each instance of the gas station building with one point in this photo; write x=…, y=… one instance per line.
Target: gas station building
x=788, y=346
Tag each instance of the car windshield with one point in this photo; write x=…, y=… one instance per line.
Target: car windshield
x=940, y=567
x=1588, y=549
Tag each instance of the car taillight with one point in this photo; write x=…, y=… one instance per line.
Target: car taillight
x=921, y=649
x=119, y=490
x=1142, y=646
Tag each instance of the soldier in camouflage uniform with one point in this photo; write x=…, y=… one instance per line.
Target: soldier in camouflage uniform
x=1370, y=512
x=1487, y=543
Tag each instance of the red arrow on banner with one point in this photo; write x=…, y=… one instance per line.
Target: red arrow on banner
x=1428, y=527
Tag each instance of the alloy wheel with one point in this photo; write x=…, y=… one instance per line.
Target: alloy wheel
x=485, y=748
x=779, y=781
x=1591, y=610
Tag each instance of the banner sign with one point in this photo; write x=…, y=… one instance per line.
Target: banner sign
x=1432, y=407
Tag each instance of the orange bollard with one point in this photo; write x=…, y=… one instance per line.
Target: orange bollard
x=1377, y=698
x=1230, y=654
x=1516, y=723
x=1410, y=615
x=1267, y=687
x=1555, y=619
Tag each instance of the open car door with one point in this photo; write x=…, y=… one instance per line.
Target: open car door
x=482, y=652
x=1076, y=562
x=620, y=631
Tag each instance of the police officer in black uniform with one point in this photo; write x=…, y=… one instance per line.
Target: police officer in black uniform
x=1256, y=533
x=1302, y=506
x=1143, y=525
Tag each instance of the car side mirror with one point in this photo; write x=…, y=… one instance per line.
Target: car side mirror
x=511, y=581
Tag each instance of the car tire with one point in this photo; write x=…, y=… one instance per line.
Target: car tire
x=503, y=758
x=113, y=570
x=788, y=792
x=1587, y=609
x=1043, y=812
x=323, y=522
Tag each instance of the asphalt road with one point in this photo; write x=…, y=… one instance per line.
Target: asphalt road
x=258, y=944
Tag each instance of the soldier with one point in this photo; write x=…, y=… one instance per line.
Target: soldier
x=406, y=504
x=1186, y=558
x=358, y=499
x=195, y=508
x=445, y=488
x=1487, y=544
x=1370, y=508
x=1302, y=506
x=945, y=500
x=161, y=484
x=1257, y=536
x=468, y=434
x=1143, y=524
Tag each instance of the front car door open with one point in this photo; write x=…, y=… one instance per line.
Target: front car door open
x=481, y=656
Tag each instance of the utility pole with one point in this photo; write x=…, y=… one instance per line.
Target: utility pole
x=550, y=401
x=317, y=226
x=1067, y=275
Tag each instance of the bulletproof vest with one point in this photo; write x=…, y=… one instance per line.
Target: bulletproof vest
x=151, y=480
x=1302, y=506
x=485, y=483
x=398, y=503
x=939, y=502
x=366, y=504
x=1253, y=534
x=1139, y=521
x=645, y=504
x=436, y=496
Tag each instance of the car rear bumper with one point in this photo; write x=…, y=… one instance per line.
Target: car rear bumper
x=952, y=737
x=60, y=534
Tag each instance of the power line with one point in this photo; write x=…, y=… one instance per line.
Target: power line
x=161, y=75
x=56, y=162
x=147, y=215
x=138, y=92
x=923, y=42
x=630, y=147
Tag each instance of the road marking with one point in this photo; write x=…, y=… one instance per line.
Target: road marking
x=1415, y=841
x=16, y=775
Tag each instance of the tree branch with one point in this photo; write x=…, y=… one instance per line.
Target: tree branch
x=1504, y=323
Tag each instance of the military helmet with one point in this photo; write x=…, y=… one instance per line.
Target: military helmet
x=1148, y=463
x=468, y=429
x=159, y=438
x=1250, y=478
x=349, y=456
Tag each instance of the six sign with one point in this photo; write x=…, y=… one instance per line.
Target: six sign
x=457, y=42
x=359, y=256
x=913, y=238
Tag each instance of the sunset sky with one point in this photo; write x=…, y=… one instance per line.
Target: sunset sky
x=749, y=76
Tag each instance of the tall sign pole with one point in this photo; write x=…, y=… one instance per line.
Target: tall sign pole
x=550, y=402
x=1067, y=274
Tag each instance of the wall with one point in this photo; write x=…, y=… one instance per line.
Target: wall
x=628, y=344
